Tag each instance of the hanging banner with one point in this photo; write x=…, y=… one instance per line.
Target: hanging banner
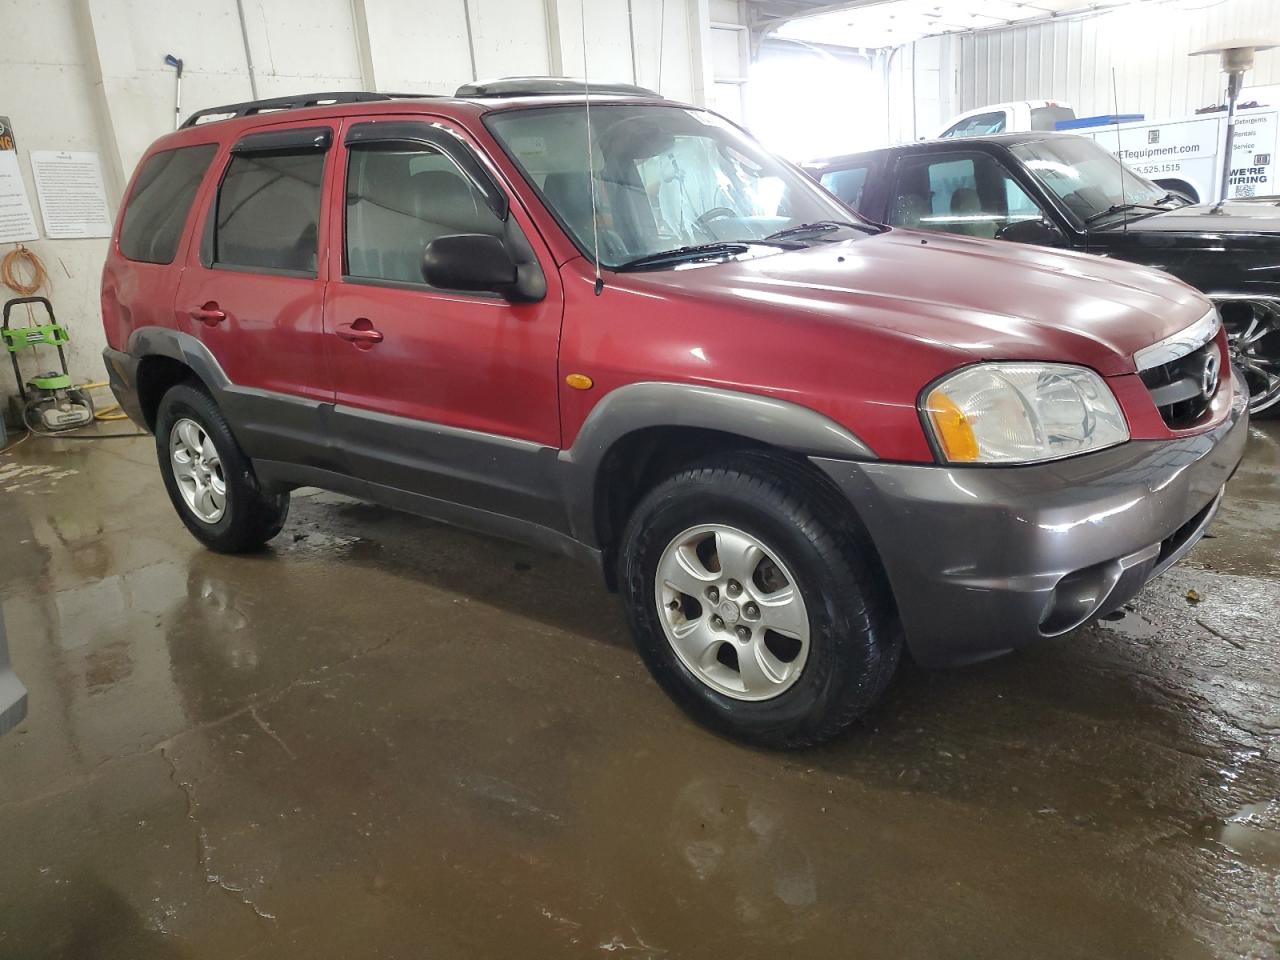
x=73, y=201
x=17, y=223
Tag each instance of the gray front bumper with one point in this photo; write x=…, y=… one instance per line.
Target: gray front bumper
x=13, y=695
x=983, y=560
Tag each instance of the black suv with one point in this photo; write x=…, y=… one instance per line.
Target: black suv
x=1060, y=190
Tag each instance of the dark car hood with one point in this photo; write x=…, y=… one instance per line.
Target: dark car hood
x=971, y=299
x=1237, y=216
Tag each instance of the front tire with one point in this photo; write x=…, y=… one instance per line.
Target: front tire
x=755, y=602
x=208, y=477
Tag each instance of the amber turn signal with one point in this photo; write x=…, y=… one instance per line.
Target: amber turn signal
x=579, y=381
x=952, y=428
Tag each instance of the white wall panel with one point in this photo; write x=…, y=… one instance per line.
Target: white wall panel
x=510, y=38
x=296, y=44
x=663, y=47
x=419, y=47
x=1072, y=58
x=1148, y=46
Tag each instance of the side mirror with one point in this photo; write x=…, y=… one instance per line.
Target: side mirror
x=1040, y=232
x=469, y=261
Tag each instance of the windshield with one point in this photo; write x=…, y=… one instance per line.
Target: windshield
x=666, y=177
x=1085, y=176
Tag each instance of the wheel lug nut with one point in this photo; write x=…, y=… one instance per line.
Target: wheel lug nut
x=713, y=594
x=734, y=588
x=744, y=634
x=752, y=610
x=717, y=622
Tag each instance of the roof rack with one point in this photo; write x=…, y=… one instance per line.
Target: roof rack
x=548, y=86
x=292, y=102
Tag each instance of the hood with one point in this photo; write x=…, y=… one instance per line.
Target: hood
x=1237, y=216
x=966, y=298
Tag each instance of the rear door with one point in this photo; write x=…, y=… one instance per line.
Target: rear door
x=253, y=290
x=441, y=394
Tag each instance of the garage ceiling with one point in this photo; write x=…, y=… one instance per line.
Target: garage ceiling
x=887, y=23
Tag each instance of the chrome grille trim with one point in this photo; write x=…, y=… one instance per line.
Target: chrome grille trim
x=1185, y=341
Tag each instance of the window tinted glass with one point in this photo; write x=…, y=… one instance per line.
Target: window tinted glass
x=268, y=211
x=160, y=202
x=983, y=123
x=398, y=201
x=970, y=194
x=847, y=184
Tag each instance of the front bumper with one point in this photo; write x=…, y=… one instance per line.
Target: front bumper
x=985, y=559
x=122, y=372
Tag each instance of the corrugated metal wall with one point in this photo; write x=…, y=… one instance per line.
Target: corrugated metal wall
x=1072, y=59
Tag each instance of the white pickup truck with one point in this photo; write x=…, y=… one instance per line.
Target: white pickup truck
x=1182, y=155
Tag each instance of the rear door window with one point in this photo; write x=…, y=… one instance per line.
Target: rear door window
x=981, y=125
x=268, y=212
x=847, y=184
x=160, y=201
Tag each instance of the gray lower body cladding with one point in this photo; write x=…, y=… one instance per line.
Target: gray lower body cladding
x=984, y=560
x=981, y=560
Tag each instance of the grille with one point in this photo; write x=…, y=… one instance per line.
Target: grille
x=1178, y=386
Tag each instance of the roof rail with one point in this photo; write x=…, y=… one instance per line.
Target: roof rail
x=548, y=86
x=292, y=102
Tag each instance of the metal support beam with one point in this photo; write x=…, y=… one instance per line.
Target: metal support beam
x=700, y=54
x=364, y=47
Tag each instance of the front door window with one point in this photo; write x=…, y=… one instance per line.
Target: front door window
x=971, y=194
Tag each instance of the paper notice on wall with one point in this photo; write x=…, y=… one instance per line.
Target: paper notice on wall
x=73, y=201
x=16, y=220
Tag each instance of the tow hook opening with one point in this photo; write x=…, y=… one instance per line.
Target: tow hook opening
x=1079, y=597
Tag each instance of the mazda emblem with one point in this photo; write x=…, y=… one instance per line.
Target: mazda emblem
x=1209, y=377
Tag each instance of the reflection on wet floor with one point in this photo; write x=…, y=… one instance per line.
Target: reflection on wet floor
x=382, y=737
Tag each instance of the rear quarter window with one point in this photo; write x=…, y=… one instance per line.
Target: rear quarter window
x=161, y=199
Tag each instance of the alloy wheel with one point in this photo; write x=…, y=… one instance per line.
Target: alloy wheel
x=197, y=468
x=732, y=612
x=1253, y=332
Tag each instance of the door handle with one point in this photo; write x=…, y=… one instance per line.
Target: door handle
x=210, y=314
x=360, y=332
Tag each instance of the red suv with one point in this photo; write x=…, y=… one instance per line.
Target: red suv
x=794, y=440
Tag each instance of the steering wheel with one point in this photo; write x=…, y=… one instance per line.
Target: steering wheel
x=715, y=213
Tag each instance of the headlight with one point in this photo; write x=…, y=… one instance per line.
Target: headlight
x=1022, y=413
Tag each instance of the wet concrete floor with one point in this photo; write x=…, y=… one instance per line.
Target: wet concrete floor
x=386, y=738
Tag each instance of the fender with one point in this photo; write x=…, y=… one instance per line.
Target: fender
x=163, y=342
x=638, y=406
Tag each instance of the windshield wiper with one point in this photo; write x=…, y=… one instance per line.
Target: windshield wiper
x=1182, y=201
x=718, y=248
x=1122, y=208
x=818, y=226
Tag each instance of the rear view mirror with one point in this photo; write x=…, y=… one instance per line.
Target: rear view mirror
x=1040, y=232
x=469, y=261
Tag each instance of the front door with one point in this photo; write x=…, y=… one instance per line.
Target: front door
x=440, y=394
x=966, y=192
x=253, y=291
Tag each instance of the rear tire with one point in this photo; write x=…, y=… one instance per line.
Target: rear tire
x=843, y=636
x=208, y=477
